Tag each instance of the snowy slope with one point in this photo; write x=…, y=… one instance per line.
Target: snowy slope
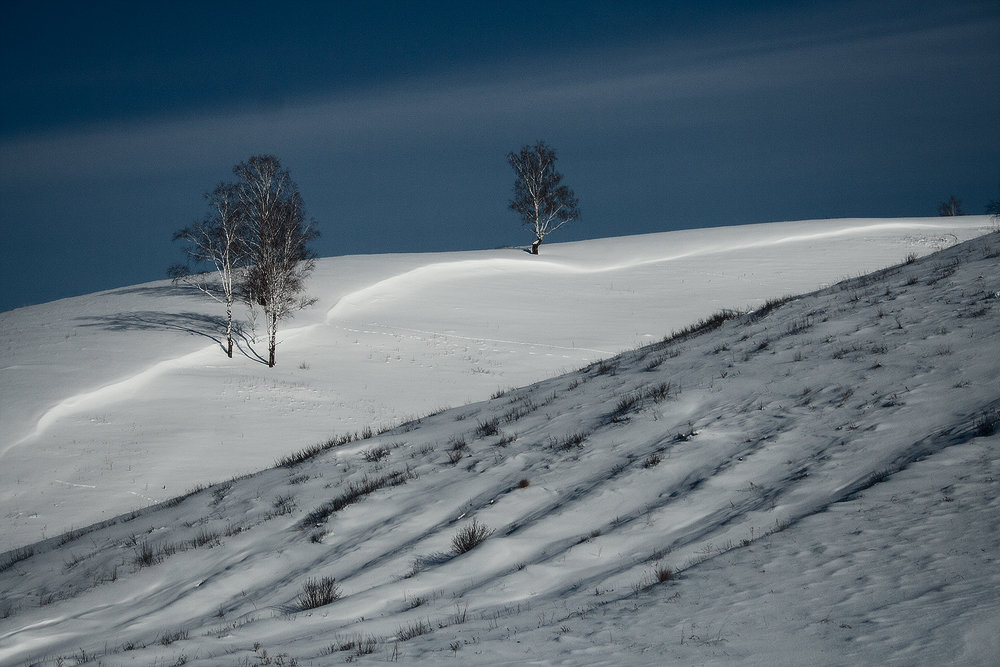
x=818, y=478
x=126, y=398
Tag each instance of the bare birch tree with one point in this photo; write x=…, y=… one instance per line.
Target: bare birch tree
x=993, y=210
x=276, y=237
x=951, y=207
x=215, y=240
x=543, y=203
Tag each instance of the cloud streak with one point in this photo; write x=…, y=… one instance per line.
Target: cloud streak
x=571, y=93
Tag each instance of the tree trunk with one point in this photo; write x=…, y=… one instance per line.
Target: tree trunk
x=273, y=322
x=229, y=329
x=534, y=246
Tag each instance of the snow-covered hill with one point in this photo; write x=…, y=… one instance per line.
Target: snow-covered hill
x=126, y=397
x=814, y=482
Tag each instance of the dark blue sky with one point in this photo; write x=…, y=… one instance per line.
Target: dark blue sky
x=394, y=119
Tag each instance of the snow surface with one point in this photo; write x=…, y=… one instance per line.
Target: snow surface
x=816, y=475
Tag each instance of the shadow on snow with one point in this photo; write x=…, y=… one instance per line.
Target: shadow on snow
x=212, y=327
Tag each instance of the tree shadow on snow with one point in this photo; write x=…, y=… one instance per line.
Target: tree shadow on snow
x=159, y=290
x=212, y=327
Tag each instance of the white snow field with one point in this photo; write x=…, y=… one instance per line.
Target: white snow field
x=814, y=482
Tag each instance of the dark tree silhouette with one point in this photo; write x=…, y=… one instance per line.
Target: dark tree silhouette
x=951, y=207
x=543, y=203
x=993, y=210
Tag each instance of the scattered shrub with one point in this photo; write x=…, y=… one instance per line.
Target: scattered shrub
x=522, y=408
x=360, y=644
x=461, y=611
x=606, y=367
x=488, y=427
x=626, y=404
x=307, y=453
x=457, y=448
x=206, y=537
x=145, y=556
x=16, y=557
x=568, y=442
x=659, y=393
x=797, y=326
x=318, y=592
x=500, y=393
x=355, y=491
x=415, y=629
x=469, y=537
x=70, y=535
x=375, y=454
x=169, y=638
x=771, y=304
x=656, y=362
x=523, y=484
x=298, y=457
x=506, y=439
x=703, y=325
x=283, y=505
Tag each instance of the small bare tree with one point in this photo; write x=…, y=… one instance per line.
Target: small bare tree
x=543, y=203
x=993, y=210
x=215, y=240
x=951, y=207
x=276, y=237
